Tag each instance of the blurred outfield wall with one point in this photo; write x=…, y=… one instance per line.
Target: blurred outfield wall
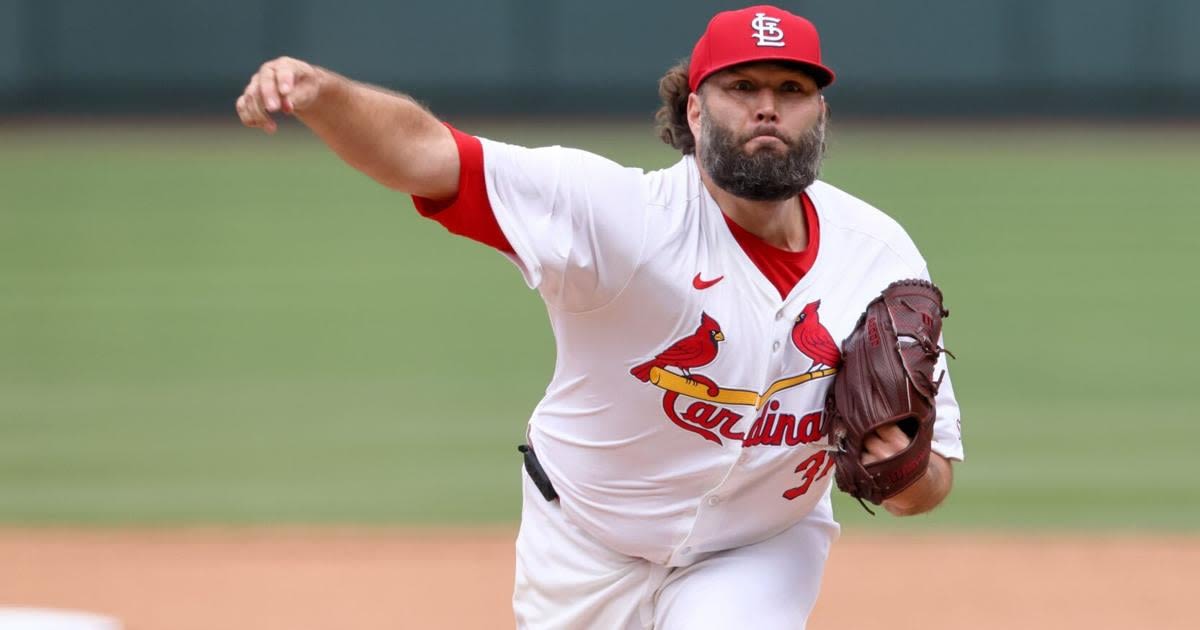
x=1094, y=58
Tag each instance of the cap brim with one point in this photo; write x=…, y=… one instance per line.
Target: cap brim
x=820, y=74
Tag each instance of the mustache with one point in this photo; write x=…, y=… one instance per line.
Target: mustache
x=761, y=175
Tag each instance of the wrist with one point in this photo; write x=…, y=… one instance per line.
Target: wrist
x=329, y=89
x=916, y=498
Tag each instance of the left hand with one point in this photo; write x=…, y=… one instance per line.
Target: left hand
x=883, y=443
x=923, y=495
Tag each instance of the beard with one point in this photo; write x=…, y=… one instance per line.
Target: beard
x=766, y=174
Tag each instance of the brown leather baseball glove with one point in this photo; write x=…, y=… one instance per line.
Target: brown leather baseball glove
x=887, y=377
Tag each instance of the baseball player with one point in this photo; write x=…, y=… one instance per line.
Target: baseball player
x=677, y=470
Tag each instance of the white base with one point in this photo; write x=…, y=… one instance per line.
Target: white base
x=49, y=619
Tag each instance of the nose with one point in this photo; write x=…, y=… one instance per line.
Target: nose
x=765, y=111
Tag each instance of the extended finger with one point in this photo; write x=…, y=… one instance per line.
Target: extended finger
x=248, y=110
x=285, y=78
x=874, y=450
x=894, y=435
x=255, y=107
x=253, y=104
x=268, y=88
x=243, y=113
x=875, y=445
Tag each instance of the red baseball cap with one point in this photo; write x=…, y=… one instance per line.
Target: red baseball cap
x=758, y=33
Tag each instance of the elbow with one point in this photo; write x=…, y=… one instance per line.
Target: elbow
x=393, y=183
x=432, y=172
x=413, y=181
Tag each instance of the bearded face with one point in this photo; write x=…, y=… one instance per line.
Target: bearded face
x=767, y=174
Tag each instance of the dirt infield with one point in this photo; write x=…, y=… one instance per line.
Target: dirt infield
x=378, y=578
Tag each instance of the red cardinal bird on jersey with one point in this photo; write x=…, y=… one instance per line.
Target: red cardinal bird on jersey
x=695, y=350
x=813, y=340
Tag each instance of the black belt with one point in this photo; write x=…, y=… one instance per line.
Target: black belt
x=536, y=473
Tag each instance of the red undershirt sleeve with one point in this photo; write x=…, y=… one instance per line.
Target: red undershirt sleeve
x=468, y=213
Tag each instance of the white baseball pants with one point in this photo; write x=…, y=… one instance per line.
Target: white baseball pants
x=566, y=580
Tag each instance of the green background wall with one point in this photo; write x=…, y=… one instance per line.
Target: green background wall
x=1092, y=58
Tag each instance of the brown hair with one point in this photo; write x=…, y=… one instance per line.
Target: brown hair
x=671, y=119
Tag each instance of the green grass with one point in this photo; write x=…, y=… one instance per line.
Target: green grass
x=209, y=325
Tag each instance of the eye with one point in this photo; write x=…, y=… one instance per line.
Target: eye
x=793, y=87
x=741, y=86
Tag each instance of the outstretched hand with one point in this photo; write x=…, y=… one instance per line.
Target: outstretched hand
x=282, y=85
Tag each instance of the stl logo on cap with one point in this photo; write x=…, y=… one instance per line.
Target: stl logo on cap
x=755, y=34
x=767, y=31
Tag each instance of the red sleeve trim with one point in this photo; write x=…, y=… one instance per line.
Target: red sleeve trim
x=468, y=213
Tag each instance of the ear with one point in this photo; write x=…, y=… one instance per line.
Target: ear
x=693, y=114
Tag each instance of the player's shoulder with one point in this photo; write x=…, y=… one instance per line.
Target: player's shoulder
x=849, y=212
x=675, y=186
x=570, y=177
x=842, y=214
x=668, y=187
x=555, y=157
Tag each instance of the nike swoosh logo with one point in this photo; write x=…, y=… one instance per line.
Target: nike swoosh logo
x=704, y=284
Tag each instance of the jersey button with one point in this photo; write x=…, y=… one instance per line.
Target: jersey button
x=775, y=347
x=779, y=316
x=714, y=500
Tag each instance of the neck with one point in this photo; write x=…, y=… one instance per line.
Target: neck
x=779, y=223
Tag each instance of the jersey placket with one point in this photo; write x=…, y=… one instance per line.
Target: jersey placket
x=770, y=319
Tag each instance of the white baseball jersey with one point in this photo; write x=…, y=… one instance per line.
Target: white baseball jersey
x=683, y=417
